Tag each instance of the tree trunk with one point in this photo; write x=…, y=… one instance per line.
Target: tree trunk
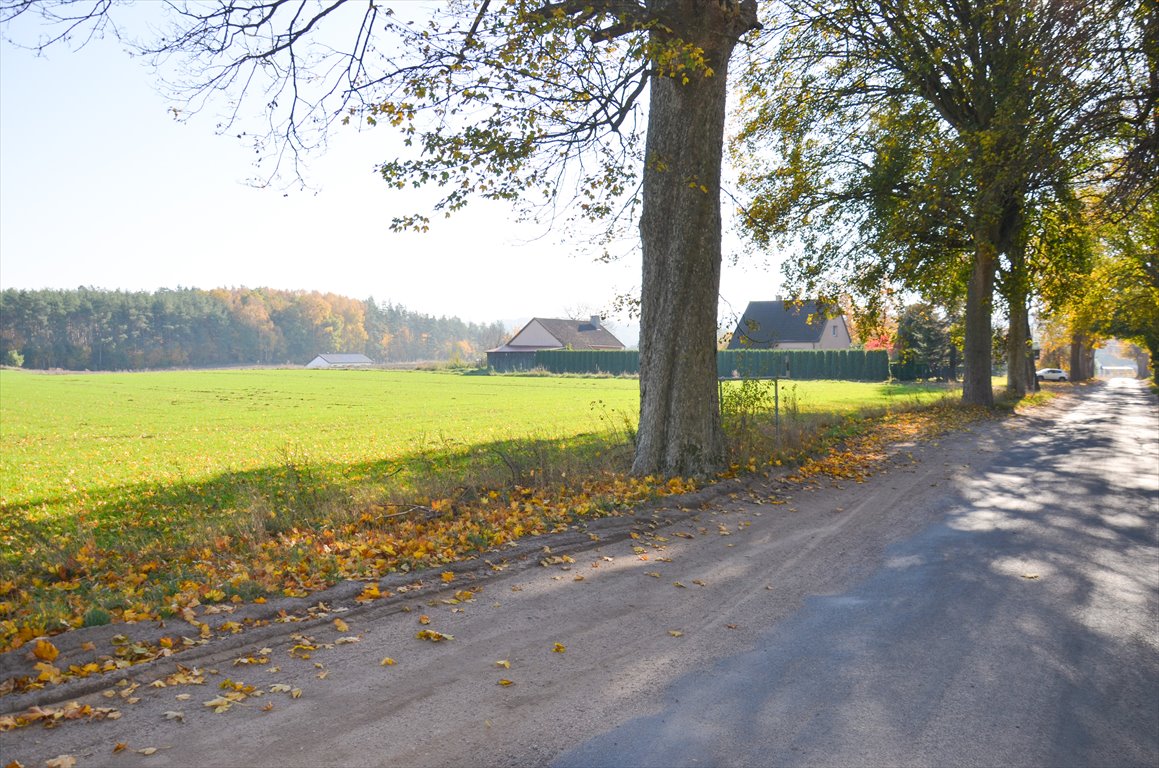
x=680, y=232
x=1079, y=368
x=976, y=355
x=1019, y=354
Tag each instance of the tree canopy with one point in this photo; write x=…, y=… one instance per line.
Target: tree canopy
x=89, y=329
x=909, y=143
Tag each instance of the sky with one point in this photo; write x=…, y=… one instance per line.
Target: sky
x=101, y=187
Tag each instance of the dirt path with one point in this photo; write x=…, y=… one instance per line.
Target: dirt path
x=591, y=644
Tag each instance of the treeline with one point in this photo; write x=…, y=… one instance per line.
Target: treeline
x=92, y=329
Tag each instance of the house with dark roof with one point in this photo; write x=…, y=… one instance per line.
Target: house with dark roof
x=335, y=360
x=786, y=324
x=518, y=354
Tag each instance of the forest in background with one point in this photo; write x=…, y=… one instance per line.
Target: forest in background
x=95, y=329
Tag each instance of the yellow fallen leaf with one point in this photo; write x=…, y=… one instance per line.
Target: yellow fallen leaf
x=505, y=682
x=341, y=625
x=219, y=704
x=347, y=640
x=269, y=705
x=147, y=751
x=424, y=619
x=678, y=584
x=280, y=688
x=503, y=663
x=120, y=746
x=676, y=633
x=1030, y=576
x=387, y=662
x=61, y=761
x=558, y=648
x=172, y=715
x=296, y=693
x=448, y=576
x=45, y=651
x=183, y=696
x=89, y=646
x=433, y=636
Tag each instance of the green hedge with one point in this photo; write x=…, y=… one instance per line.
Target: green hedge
x=611, y=361
x=842, y=364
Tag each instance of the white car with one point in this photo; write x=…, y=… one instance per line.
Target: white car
x=1051, y=374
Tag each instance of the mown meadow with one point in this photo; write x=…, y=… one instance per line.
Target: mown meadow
x=128, y=497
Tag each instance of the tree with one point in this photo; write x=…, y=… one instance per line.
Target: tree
x=915, y=131
x=923, y=338
x=530, y=100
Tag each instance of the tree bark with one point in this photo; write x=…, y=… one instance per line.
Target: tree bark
x=976, y=358
x=1019, y=354
x=680, y=232
x=1081, y=357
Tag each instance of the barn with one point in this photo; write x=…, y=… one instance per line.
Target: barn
x=335, y=360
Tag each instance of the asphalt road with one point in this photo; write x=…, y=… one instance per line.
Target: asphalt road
x=989, y=599
x=1020, y=629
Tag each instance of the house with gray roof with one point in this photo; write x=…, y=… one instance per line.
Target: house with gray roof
x=788, y=324
x=518, y=354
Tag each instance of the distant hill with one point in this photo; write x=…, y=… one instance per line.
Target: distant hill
x=95, y=329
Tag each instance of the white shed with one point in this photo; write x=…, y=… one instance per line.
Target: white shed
x=340, y=361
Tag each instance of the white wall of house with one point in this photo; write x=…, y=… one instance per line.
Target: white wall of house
x=835, y=335
x=534, y=335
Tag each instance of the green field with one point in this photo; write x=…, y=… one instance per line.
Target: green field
x=119, y=492
x=70, y=434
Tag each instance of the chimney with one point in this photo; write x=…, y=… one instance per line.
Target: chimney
x=596, y=321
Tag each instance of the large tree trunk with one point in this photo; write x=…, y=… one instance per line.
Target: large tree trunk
x=680, y=232
x=1081, y=357
x=1020, y=377
x=1019, y=354
x=976, y=355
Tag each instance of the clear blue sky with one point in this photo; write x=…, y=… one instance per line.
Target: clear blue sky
x=100, y=186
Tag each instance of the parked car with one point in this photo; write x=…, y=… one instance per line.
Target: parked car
x=1051, y=374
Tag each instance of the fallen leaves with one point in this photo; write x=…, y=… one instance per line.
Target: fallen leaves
x=558, y=648
x=433, y=636
x=51, y=716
